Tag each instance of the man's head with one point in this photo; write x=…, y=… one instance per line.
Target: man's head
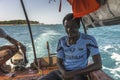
x=71, y=25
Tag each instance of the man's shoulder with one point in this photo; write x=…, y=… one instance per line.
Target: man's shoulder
x=63, y=38
x=87, y=37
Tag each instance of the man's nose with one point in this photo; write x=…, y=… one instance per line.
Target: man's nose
x=69, y=30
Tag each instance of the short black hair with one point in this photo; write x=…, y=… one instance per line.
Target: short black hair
x=70, y=16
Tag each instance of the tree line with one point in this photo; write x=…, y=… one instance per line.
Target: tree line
x=18, y=22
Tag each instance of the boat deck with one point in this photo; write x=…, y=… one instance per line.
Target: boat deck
x=30, y=74
x=27, y=74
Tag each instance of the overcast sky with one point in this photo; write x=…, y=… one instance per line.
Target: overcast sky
x=39, y=10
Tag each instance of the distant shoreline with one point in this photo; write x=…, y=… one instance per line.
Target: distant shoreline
x=18, y=24
x=12, y=25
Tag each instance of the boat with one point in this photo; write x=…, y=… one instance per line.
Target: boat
x=106, y=15
x=42, y=66
x=35, y=72
x=45, y=65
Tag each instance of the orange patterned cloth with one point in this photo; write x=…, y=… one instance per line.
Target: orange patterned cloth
x=83, y=7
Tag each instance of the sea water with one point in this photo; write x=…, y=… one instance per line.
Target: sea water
x=108, y=39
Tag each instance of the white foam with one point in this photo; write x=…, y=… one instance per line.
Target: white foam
x=116, y=57
x=49, y=34
x=114, y=71
x=105, y=48
x=41, y=40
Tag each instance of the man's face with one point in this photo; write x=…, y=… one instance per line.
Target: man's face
x=71, y=28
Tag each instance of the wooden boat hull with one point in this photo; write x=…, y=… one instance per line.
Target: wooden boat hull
x=30, y=74
x=27, y=74
x=34, y=75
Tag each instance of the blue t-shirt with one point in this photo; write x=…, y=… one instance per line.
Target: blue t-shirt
x=75, y=56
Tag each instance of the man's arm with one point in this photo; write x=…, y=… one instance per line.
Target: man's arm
x=15, y=42
x=60, y=65
x=64, y=73
x=96, y=65
x=4, y=35
x=11, y=40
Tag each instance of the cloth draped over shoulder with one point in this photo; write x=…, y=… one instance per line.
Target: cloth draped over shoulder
x=83, y=7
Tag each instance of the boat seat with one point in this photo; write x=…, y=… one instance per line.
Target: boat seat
x=45, y=63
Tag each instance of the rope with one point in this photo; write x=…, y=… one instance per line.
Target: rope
x=85, y=31
x=60, y=5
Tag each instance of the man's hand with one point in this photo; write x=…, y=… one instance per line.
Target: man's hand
x=23, y=51
x=2, y=33
x=22, y=47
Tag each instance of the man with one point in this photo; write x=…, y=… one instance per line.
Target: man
x=73, y=51
x=7, y=51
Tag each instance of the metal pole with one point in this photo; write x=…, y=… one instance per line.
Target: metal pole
x=28, y=23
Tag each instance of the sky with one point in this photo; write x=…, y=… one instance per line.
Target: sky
x=39, y=10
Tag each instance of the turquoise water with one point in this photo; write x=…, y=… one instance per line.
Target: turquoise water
x=107, y=37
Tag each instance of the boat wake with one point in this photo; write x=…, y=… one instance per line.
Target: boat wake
x=111, y=56
x=40, y=44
